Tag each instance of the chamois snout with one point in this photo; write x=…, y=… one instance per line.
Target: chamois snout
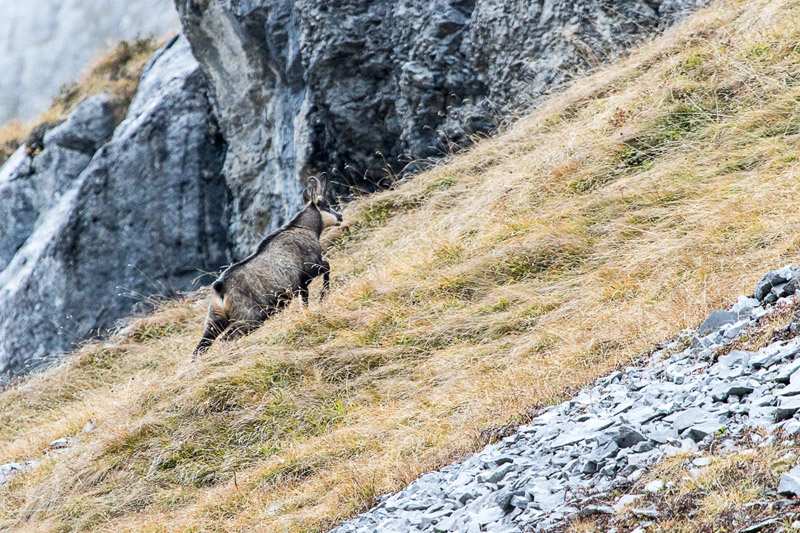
x=329, y=216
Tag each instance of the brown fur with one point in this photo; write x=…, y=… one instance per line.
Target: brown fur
x=284, y=264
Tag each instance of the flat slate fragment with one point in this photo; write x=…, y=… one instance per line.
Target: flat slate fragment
x=790, y=483
x=716, y=320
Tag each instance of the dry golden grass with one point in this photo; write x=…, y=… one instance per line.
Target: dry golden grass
x=713, y=498
x=116, y=73
x=624, y=210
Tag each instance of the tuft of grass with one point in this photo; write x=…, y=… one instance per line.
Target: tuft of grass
x=712, y=498
x=373, y=214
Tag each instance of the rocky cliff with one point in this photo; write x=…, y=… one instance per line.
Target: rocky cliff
x=99, y=221
x=279, y=90
x=361, y=89
x=46, y=44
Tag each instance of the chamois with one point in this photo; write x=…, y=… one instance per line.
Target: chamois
x=247, y=293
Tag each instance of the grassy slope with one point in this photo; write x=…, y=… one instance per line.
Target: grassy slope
x=623, y=211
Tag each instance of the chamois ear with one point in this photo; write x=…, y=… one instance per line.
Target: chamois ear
x=306, y=196
x=313, y=190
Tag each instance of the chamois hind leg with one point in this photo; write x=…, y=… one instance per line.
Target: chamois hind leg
x=303, y=292
x=304, y=295
x=215, y=325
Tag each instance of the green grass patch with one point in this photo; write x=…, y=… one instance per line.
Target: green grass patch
x=376, y=215
x=440, y=184
x=151, y=332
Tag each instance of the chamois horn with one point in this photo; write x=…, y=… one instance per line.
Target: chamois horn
x=315, y=186
x=324, y=177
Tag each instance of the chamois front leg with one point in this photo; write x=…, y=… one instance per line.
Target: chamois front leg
x=325, y=268
x=239, y=329
x=215, y=325
x=304, y=294
x=247, y=324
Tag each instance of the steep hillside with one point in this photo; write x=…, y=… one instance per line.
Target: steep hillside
x=621, y=212
x=258, y=96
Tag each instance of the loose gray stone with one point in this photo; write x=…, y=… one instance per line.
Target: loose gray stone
x=735, y=330
x=771, y=279
x=626, y=436
x=594, y=510
x=790, y=483
x=700, y=431
x=603, y=452
x=491, y=514
x=740, y=387
x=62, y=443
x=657, y=485
x=685, y=419
x=761, y=525
x=496, y=474
x=647, y=512
x=716, y=320
x=744, y=305
x=625, y=501
x=9, y=470
x=787, y=408
x=519, y=501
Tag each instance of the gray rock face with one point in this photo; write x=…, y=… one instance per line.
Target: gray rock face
x=144, y=214
x=48, y=43
x=28, y=189
x=359, y=89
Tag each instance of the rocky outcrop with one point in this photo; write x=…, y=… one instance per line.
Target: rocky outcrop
x=30, y=188
x=101, y=227
x=682, y=399
x=359, y=89
x=47, y=43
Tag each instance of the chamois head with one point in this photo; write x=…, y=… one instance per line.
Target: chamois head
x=314, y=195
